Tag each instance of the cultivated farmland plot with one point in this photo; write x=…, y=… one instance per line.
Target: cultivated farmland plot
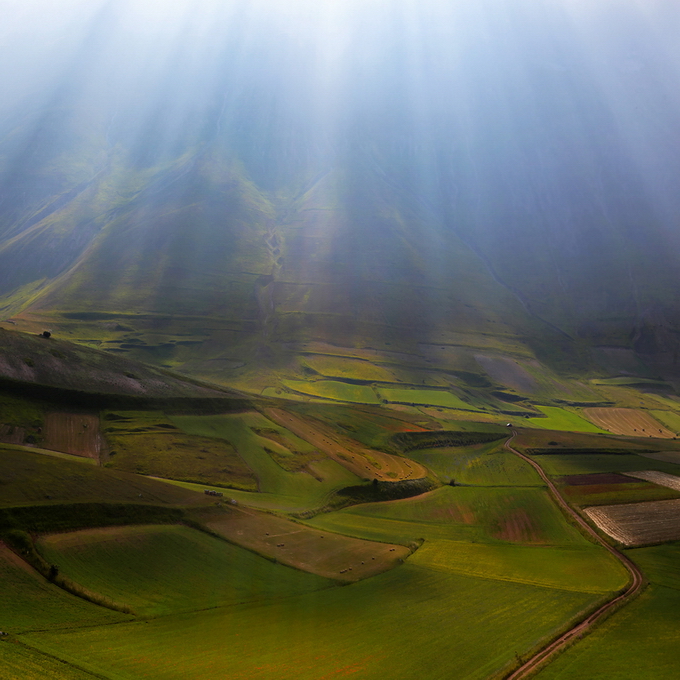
x=660, y=478
x=639, y=523
x=628, y=421
x=75, y=433
x=323, y=553
x=356, y=458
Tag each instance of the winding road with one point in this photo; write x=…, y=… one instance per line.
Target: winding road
x=637, y=581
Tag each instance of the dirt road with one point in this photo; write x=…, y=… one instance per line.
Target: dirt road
x=581, y=628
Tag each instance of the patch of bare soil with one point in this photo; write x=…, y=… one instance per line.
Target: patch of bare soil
x=326, y=554
x=631, y=422
x=363, y=462
x=74, y=433
x=660, y=478
x=636, y=524
x=518, y=526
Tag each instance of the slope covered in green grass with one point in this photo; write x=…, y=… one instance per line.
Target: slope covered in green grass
x=408, y=622
x=30, y=602
x=158, y=570
x=560, y=419
x=35, y=478
x=277, y=487
x=481, y=514
x=481, y=464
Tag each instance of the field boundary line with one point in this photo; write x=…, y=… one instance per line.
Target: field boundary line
x=583, y=627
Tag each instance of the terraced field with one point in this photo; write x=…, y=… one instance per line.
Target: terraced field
x=628, y=421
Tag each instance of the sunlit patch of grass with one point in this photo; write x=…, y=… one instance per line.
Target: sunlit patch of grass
x=561, y=419
x=333, y=389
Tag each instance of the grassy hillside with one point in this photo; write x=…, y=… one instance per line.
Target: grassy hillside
x=155, y=569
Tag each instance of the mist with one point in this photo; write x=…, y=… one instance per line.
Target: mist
x=543, y=129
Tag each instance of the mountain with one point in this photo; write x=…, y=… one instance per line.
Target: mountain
x=437, y=188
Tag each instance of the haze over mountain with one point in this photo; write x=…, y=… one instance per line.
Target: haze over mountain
x=214, y=186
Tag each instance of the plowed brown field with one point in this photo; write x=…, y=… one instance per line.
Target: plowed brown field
x=319, y=552
x=660, y=478
x=75, y=433
x=363, y=462
x=631, y=422
x=636, y=524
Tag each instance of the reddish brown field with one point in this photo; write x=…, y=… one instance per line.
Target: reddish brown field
x=631, y=422
x=318, y=552
x=636, y=524
x=74, y=433
x=518, y=526
x=357, y=458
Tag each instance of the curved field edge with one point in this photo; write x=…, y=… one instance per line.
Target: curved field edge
x=640, y=641
x=472, y=623
x=154, y=569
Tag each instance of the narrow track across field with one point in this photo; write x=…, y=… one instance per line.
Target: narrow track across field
x=637, y=581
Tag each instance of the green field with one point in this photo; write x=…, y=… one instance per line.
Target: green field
x=278, y=487
x=345, y=367
x=462, y=627
x=670, y=419
x=424, y=397
x=17, y=661
x=582, y=569
x=147, y=443
x=158, y=570
x=29, y=602
x=586, y=463
x=333, y=389
x=481, y=464
x=29, y=477
x=659, y=563
x=481, y=514
x=561, y=419
x=639, y=642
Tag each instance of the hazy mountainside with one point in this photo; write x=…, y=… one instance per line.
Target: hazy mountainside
x=220, y=205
